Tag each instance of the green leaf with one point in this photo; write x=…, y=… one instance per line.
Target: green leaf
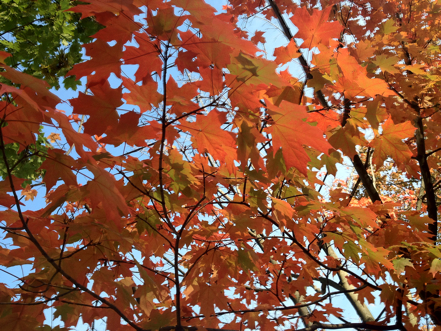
x=352, y=250
x=388, y=27
x=43, y=38
x=400, y=265
x=25, y=164
x=387, y=63
x=247, y=259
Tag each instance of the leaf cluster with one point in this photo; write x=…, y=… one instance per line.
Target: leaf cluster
x=25, y=163
x=195, y=190
x=44, y=38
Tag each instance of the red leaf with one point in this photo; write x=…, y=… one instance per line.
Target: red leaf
x=58, y=165
x=72, y=136
x=119, y=28
x=105, y=60
x=128, y=131
x=390, y=143
x=146, y=56
x=199, y=10
x=5, y=186
x=184, y=61
x=258, y=37
x=180, y=95
x=99, y=6
x=212, y=82
x=354, y=80
x=285, y=54
x=3, y=56
x=101, y=107
x=315, y=29
x=104, y=194
x=207, y=135
x=164, y=25
x=45, y=97
x=143, y=95
x=290, y=132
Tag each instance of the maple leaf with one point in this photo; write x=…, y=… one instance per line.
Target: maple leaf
x=290, y=132
x=388, y=293
x=113, y=6
x=364, y=50
x=258, y=37
x=343, y=139
x=205, y=50
x=210, y=294
x=72, y=136
x=435, y=267
x=354, y=80
x=147, y=52
x=207, y=135
x=200, y=11
x=283, y=211
x=388, y=27
x=212, y=80
x=387, y=63
x=285, y=54
x=332, y=310
x=5, y=186
x=400, y=265
x=247, y=259
x=390, y=143
x=102, y=189
x=247, y=140
x=143, y=95
x=254, y=70
x=29, y=193
x=119, y=28
x=164, y=24
x=105, y=60
x=3, y=56
x=180, y=95
x=318, y=80
x=372, y=113
x=53, y=137
x=374, y=257
x=58, y=165
x=185, y=61
x=214, y=218
x=315, y=29
x=217, y=43
x=104, y=98
x=24, y=80
x=352, y=250
x=290, y=94
x=419, y=223
x=128, y=131
x=23, y=318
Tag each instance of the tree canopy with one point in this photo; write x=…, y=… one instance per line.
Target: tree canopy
x=189, y=187
x=43, y=38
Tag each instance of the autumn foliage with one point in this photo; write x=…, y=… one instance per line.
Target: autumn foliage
x=195, y=192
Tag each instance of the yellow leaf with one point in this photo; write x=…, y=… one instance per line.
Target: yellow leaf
x=53, y=137
x=29, y=193
x=435, y=267
x=387, y=63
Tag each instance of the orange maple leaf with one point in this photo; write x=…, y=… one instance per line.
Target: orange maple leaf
x=290, y=132
x=315, y=29
x=207, y=135
x=29, y=193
